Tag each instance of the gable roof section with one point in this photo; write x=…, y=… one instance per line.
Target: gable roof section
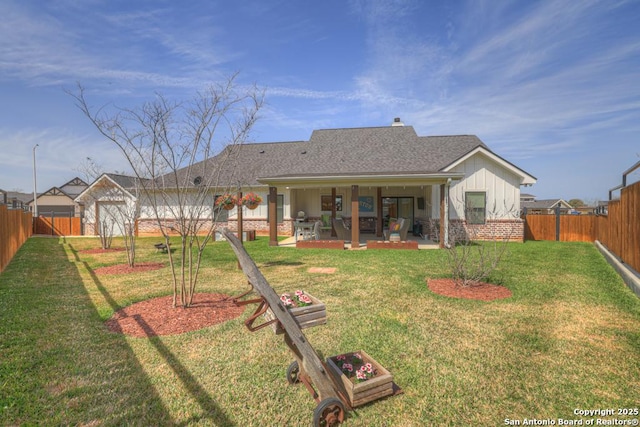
x=525, y=178
x=124, y=182
x=544, y=204
x=54, y=191
x=74, y=187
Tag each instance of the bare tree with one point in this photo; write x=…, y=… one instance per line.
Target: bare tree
x=170, y=146
x=476, y=250
x=104, y=226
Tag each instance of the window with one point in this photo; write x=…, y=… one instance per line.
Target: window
x=475, y=208
x=279, y=209
x=325, y=203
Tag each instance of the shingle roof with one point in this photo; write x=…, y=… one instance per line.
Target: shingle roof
x=363, y=151
x=542, y=204
x=124, y=181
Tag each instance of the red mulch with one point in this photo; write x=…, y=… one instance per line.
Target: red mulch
x=158, y=317
x=101, y=251
x=125, y=269
x=482, y=291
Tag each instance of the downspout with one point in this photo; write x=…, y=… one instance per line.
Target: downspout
x=446, y=213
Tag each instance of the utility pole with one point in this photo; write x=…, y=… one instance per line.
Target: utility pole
x=35, y=194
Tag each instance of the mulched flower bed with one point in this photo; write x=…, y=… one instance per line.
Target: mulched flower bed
x=157, y=316
x=482, y=291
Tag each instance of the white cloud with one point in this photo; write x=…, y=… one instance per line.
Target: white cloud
x=59, y=154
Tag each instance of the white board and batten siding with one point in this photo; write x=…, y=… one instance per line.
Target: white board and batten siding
x=482, y=174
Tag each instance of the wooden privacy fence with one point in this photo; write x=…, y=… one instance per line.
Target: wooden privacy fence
x=564, y=228
x=618, y=230
x=58, y=226
x=15, y=229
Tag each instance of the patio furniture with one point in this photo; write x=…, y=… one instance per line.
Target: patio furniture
x=304, y=229
x=402, y=229
x=326, y=222
x=342, y=231
x=317, y=228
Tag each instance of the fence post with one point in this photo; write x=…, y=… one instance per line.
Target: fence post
x=558, y=222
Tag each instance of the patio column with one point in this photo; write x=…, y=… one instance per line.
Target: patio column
x=442, y=221
x=444, y=215
x=379, y=221
x=273, y=216
x=333, y=210
x=355, y=218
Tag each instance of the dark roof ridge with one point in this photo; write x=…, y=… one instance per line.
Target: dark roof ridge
x=267, y=143
x=366, y=127
x=449, y=136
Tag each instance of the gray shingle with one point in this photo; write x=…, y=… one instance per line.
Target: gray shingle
x=375, y=150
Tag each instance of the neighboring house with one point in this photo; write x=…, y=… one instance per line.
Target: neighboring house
x=546, y=206
x=525, y=197
x=364, y=175
x=112, y=198
x=15, y=199
x=59, y=201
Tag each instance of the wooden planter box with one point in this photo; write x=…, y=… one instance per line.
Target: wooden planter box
x=367, y=391
x=306, y=317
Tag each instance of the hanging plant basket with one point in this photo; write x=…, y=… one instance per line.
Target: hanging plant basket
x=251, y=200
x=227, y=201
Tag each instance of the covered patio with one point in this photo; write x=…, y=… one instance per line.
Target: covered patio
x=366, y=203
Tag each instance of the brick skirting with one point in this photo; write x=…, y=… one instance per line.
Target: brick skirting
x=378, y=244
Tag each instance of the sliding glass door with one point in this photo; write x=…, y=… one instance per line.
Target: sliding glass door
x=397, y=207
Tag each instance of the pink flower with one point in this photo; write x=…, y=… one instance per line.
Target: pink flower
x=361, y=375
x=305, y=299
x=347, y=367
x=341, y=357
x=299, y=292
x=368, y=367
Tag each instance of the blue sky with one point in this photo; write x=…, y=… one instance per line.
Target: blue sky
x=552, y=86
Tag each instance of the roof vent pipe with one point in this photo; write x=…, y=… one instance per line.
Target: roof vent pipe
x=397, y=122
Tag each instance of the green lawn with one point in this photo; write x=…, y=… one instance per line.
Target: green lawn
x=569, y=338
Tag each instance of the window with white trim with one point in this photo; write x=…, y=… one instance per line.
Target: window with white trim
x=475, y=207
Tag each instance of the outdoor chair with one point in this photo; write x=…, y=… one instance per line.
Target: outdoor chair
x=317, y=228
x=403, y=229
x=326, y=222
x=342, y=231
